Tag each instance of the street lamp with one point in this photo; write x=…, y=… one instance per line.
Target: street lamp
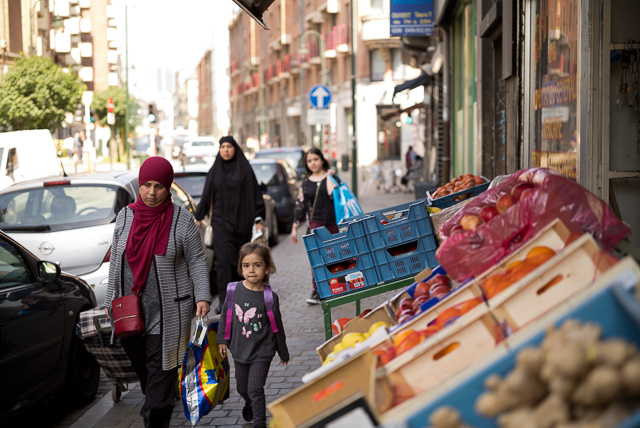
x=303, y=51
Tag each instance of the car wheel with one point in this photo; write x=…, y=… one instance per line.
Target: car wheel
x=83, y=374
x=273, y=231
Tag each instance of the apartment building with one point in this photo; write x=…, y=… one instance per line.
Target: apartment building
x=271, y=74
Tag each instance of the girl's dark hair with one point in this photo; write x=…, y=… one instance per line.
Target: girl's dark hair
x=318, y=152
x=263, y=252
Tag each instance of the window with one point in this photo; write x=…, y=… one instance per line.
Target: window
x=13, y=270
x=377, y=6
x=377, y=64
x=397, y=65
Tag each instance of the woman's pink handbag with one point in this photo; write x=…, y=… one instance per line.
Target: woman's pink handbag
x=127, y=316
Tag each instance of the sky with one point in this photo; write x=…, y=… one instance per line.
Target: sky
x=163, y=34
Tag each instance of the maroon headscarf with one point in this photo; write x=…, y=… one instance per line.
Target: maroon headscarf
x=150, y=229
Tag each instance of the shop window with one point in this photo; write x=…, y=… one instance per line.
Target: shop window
x=397, y=65
x=377, y=65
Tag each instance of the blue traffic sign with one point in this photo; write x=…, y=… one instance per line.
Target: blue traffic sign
x=320, y=96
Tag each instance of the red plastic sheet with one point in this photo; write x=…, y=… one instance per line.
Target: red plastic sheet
x=467, y=254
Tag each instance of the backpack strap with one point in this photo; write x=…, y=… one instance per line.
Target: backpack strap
x=231, y=300
x=268, y=301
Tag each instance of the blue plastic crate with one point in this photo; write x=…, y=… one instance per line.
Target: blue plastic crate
x=326, y=248
x=401, y=210
x=333, y=284
x=414, y=224
x=390, y=267
x=449, y=200
x=614, y=308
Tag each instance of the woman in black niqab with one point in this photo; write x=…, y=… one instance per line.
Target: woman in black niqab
x=232, y=192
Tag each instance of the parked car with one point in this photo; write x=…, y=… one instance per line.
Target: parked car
x=192, y=178
x=70, y=219
x=40, y=353
x=293, y=155
x=200, y=150
x=280, y=181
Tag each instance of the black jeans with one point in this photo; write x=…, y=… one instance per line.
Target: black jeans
x=158, y=386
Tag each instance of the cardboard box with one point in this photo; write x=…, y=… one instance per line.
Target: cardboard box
x=355, y=376
x=570, y=271
x=454, y=348
x=356, y=325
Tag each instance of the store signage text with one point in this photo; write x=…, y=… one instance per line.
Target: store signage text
x=556, y=16
x=563, y=162
x=552, y=128
x=411, y=18
x=556, y=93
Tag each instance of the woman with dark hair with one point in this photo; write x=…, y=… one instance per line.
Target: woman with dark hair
x=233, y=197
x=157, y=253
x=315, y=203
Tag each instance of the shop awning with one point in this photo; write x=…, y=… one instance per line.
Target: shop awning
x=421, y=80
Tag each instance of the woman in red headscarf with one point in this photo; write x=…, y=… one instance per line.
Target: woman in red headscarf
x=157, y=252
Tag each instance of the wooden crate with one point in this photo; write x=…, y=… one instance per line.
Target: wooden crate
x=451, y=350
x=420, y=321
x=570, y=271
x=554, y=235
x=356, y=325
x=353, y=377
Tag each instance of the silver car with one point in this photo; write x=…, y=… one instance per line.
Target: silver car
x=70, y=220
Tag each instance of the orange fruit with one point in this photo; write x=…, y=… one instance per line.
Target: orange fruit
x=514, y=265
x=447, y=315
x=540, y=252
x=400, y=337
x=496, y=286
x=520, y=272
x=469, y=304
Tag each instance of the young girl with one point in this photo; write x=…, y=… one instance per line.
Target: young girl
x=252, y=336
x=315, y=203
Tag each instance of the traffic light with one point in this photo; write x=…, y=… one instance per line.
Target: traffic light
x=152, y=113
x=92, y=116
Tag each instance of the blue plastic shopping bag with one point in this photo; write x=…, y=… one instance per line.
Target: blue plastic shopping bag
x=204, y=375
x=344, y=201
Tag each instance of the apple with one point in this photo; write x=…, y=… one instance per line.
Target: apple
x=439, y=290
x=440, y=279
x=406, y=303
x=504, y=202
x=455, y=229
x=422, y=289
x=417, y=303
x=470, y=222
x=488, y=212
x=519, y=189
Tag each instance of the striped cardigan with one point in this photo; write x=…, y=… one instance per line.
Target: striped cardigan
x=182, y=277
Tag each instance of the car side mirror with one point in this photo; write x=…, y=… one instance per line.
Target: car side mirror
x=48, y=271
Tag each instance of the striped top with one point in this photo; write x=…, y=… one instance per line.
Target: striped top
x=182, y=276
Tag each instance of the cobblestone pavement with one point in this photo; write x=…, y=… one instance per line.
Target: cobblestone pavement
x=303, y=324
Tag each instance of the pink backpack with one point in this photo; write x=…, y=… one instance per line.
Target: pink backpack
x=231, y=300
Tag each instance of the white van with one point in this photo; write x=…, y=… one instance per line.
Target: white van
x=25, y=155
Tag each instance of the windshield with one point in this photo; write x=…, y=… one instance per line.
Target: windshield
x=61, y=207
x=292, y=157
x=265, y=173
x=192, y=184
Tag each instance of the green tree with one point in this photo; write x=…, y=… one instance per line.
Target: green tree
x=119, y=98
x=36, y=94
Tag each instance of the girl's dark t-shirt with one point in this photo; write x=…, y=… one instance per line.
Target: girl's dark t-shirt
x=324, y=211
x=252, y=338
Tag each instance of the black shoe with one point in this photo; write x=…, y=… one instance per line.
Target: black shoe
x=247, y=412
x=314, y=299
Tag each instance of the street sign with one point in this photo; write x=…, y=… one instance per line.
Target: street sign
x=110, y=105
x=320, y=96
x=317, y=116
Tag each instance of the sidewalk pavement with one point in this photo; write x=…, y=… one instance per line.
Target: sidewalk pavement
x=303, y=324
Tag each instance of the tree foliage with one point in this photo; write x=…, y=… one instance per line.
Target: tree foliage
x=36, y=93
x=119, y=97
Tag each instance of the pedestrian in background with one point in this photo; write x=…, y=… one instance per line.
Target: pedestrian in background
x=78, y=144
x=157, y=251
x=233, y=197
x=315, y=203
x=410, y=158
x=250, y=335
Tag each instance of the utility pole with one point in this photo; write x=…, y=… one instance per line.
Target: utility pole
x=354, y=143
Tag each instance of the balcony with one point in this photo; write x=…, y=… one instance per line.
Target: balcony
x=234, y=69
x=342, y=38
x=329, y=47
x=285, y=66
